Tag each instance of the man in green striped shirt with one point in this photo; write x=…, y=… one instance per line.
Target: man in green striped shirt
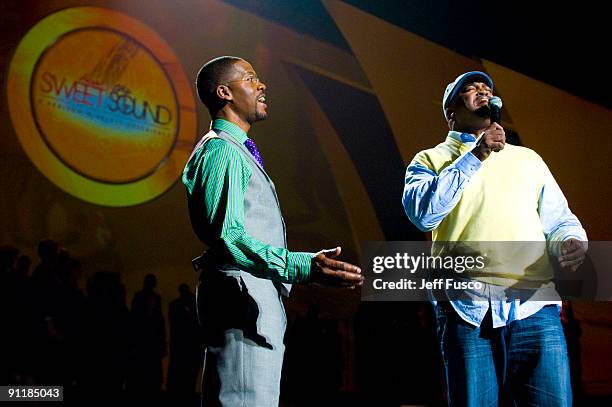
x=234, y=209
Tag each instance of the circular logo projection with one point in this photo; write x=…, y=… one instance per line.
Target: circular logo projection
x=101, y=106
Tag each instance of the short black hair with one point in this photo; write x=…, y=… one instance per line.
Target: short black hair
x=210, y=75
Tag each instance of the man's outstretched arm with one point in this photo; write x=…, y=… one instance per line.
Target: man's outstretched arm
x=223, y=176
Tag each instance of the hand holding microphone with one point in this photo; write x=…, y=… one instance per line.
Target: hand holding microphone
x=494, y=137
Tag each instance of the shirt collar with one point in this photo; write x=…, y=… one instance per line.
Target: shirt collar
x=231, y=129
x=465, y=138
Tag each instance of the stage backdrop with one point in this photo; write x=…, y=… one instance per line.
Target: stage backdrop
x=99, y=116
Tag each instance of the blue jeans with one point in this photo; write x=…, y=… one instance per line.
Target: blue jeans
x=525, y=361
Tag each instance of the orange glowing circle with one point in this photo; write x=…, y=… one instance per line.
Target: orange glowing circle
x=101, y=106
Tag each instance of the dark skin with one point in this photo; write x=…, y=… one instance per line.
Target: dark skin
x=244, y=95
x=464, y=117
x=573, y=254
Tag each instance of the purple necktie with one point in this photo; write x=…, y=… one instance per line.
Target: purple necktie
x=250, y=144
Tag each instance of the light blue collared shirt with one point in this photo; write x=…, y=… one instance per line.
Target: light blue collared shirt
x=440, y=193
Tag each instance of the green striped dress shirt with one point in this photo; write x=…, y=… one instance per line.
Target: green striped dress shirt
x=222, y=173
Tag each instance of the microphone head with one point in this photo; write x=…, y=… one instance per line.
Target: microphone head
x=495, y=105
x=495, y=101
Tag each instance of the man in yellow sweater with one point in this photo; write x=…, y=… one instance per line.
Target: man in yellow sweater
x=476, y=189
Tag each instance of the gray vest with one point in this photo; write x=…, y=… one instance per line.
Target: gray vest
x=263, y=219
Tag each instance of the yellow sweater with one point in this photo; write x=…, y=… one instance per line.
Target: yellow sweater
x=499, y=204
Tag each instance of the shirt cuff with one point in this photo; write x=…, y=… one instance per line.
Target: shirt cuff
x=298, y=266
x=468, y=164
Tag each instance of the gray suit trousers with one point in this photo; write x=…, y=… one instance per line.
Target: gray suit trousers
x=243, y=331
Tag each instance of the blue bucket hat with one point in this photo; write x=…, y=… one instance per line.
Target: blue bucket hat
x=454, y=87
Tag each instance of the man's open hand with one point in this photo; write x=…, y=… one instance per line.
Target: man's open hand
x=335, y=273
x=573, y=253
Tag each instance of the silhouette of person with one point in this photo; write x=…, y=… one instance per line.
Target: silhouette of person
x=185, y=347
x=19, y=296
x=106, y=339
x=148, y=341
x=314, y=356
x=8, y=257
x=48, y=252
x=48, y=296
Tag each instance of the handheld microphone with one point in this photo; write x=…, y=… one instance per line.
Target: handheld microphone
x=495, y=105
